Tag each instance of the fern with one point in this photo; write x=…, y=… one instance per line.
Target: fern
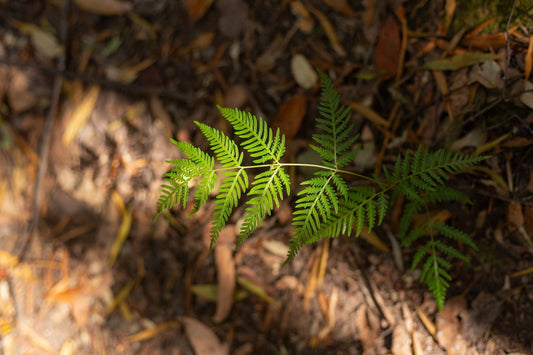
x=326, y=206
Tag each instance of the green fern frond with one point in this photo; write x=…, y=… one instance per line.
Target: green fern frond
x=225, y=149
x=206, y=164
x=266, y=192
x=176, y=189
x=259, y=140
x=234, y=183
x=327, y=206
x=335, y=136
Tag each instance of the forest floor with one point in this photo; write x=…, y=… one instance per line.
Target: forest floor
x=91, y=93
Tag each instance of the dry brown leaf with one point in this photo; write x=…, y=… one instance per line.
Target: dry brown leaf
x=529, y=58
x=303, y=72
x=202, y=339
x=305, y=21
x=341, y=6
x=401, y=341
x=196, y=9
x=236, y=96
x=80, y=115
x=515, y=215
x=290, y=116
x=104, y=7
x=449, y=325
x=226, y=280
x=369, y=114
x=152, y=332
x=330, y=32
x=388, y=47
x=374, y=240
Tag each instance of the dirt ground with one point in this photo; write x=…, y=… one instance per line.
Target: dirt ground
x=92, y=91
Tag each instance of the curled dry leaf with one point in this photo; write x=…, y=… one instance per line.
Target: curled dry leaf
x=202, y=339
x=303, y=72
x=290, y=116
x=104, y=7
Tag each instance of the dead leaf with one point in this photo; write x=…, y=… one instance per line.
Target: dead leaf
x=236, y=96
x=196, y=9
x=20, y=95
x=226, y=281
x=529, y=58
x=127, y=74
x=449, y=325
x=122, y=235
x=369, y=114
x=460, y=61
x=330, y=31
x=80, y=115
x=527, y=97
x=44, y=41
x=303, y=72
x=388, y=47
x=341, y=6
x=474, y=138
x=305, y=21
x=488, y=74
x=290, y=116
x=515, y=215
x=153, y=331
x=401, y=341
x=104, y=7
x=202, y=339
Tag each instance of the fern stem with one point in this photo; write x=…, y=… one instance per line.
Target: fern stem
x=299, y=165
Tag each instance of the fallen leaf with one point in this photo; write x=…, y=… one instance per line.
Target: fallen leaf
x=196, y=9
x=236, y=96
x=127, y=74
x=202, y=339
x=19, y=91
x=122, y=235
x=460, y=61
x=154, y=331
x=104, y=7
x=226, y=280
x=341, y=6
x=330, y=32
x=488, y=74
x=527, y=97
x=529, y=58
x=515, y=215
x=80, y=115
x=305, y=21
x=303, y=72
x=388, y=47
x=290, y=116
x=474, y=138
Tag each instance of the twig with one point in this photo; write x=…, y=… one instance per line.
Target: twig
x=45, y=142
x=508, y=50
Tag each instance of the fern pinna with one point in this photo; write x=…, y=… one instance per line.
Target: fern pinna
x=326, y=206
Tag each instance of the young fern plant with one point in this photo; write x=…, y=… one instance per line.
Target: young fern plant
x=326, y=206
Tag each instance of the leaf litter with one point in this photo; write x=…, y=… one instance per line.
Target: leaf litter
x=442, y=81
